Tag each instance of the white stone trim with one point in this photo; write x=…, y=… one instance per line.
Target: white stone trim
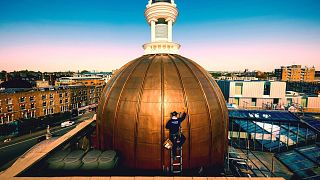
x=161, y=48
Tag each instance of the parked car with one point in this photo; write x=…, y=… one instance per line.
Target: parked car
x=67, y=123
x=7, y=140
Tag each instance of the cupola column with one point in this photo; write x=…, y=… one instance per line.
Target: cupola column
x=170, y=30
x=153, y=30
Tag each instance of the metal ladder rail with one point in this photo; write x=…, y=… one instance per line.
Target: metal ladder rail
x=179, y=159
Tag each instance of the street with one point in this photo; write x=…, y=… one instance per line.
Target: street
x=17, y=146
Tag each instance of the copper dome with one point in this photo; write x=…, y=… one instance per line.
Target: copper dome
x=136, y=104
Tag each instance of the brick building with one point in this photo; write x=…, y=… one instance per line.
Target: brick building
x=37, y=103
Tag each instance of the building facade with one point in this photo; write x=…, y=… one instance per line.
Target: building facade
x=267, y=95
x=85, y=81
x=295, y=73
x=253, y=94
x=37, y=103
x=304, y=87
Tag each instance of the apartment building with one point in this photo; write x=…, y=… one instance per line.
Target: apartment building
x=295, y=73
x=37, y=103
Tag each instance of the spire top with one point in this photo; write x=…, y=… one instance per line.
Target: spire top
x=161, y=15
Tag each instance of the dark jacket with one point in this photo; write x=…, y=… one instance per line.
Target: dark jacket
x=174, y=124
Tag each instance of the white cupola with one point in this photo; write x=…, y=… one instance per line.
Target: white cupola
x=161, y=15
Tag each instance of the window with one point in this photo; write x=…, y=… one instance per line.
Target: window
x=51, y=103
x=22, y=99
x=44, y=97
x=33, y=114
x=23, y=107
x=276, y=101
x=10, y=108
x=9, y=101
x=304, y=102
x=254, y=102
x=66, y=94
x=32, y=106
x=266, y=90
x=51, y=96
x=61, y=101
x=31, y=98
x=238, y=88
x=60, y=95
x=66, y=100
x=236, y=101
x=44, y=104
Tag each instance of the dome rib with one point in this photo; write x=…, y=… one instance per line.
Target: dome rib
x=106, y=91
x=212, y=84
x=219, y=96
x=207, y=103
x=186, y=103
x=162, y=155
x=138, y=108
x=224, y=111
x=139, y=61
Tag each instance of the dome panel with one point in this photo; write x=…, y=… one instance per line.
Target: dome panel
x=136, y=105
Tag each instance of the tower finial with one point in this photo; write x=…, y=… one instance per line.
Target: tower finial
x=161, y=15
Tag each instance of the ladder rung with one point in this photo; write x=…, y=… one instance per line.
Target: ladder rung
x=176, y=171
x=176, y=164
x=178, y=156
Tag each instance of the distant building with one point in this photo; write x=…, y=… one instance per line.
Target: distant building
x=42, y=84
x=106, y=76
x=234, y=78
x=85, y=81
x=41, y=102
x=295, y=73
x=16, y=84
x=245, y=76
x=304, y=87
x=253, y=94
x=267, y=95
x=317, y=76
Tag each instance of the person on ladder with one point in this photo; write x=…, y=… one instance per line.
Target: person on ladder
x=174, y=125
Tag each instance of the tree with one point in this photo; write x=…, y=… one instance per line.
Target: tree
x=84, y=72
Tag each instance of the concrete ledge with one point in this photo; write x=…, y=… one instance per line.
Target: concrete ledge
x=30, y=158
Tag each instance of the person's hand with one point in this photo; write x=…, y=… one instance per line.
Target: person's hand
x=184, y=109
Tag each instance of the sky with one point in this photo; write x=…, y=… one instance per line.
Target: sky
x=102, y=35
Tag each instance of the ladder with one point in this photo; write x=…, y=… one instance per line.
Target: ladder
x=176, y=162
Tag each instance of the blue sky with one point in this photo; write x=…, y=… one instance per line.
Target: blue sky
x=130, y=12
x=211, y=23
